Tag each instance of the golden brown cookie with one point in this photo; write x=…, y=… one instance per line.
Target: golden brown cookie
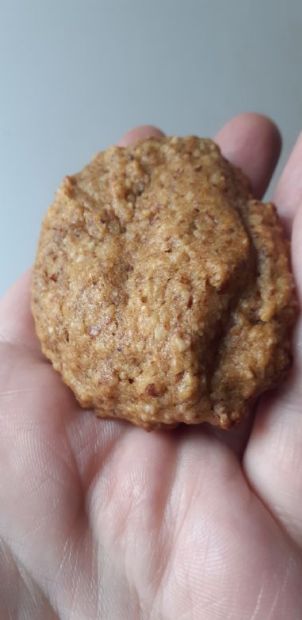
x=162, y=291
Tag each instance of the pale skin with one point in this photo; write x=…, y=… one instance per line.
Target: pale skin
x=101, y=520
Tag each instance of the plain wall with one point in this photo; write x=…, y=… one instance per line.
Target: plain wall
x=77, y=74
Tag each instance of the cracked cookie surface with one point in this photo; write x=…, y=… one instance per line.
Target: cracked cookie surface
x=162, y=291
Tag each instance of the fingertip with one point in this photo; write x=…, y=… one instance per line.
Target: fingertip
x=20, y=289
x=247, y=124
x=16, y=320
x=140, y=133
x=252, y=142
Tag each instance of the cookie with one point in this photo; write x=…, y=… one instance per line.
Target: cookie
x=162, y=290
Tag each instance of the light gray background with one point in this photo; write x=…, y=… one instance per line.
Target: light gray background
x=75, y=74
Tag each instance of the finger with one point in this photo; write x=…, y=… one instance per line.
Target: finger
x=253, y=143
x=288, y=194
x=140, y=133
x=17, y=324
x=272, y=460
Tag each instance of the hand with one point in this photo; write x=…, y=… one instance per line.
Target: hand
x=101, y=520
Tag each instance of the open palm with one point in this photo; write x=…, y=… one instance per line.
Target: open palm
x=101, y=520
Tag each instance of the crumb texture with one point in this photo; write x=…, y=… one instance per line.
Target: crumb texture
x=162, y=291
